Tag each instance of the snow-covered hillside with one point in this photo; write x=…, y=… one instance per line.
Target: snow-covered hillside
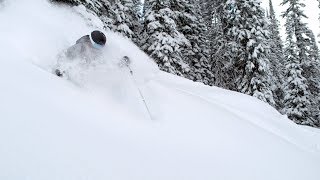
x=96, y=126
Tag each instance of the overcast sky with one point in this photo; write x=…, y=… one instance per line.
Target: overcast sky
x=311, y=10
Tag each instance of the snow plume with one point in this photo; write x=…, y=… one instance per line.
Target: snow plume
x=40, y=31
x=36, y=31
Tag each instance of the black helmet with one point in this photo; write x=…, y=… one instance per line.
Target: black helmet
x=98, y=37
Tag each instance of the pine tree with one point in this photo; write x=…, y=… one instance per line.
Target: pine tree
x=221, y=45
x=122, y=21
x=296, y=13
x=135, y=13
x=71, y=2
x=207, y=9
x=319, y=18
x=107, y=14
x=313, y=49
x=161, y=39
x=247, y=37
x=297, y=98
x=97, y=6
x=276, y=57
x=298, y=104
x=101, y=8
x=191, y=24
x=312, y=74
x=127, y=18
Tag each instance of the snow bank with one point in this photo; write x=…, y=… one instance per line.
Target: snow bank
x=51, y=128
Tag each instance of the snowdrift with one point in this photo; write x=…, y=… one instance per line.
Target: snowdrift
x=96, y=126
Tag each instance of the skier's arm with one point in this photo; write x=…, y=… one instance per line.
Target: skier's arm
x=69, y=55
x=66, y=56
x=83, y=39
x=75, y=51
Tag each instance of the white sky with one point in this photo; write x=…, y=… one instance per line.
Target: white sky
x=311, y=10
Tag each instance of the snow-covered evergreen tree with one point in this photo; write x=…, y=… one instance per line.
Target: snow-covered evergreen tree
x=295, y=12
x=122, y=21
x=313, y=49
x=319, y=18
x=101, y=8
x=107, y=14
x=297, y=97
x=312, y=74
x=127, y=18
x=247, y=37
x=276, y=57
x=161, y=39
x=97, y=6
x=135, y=13
x=301, y=38
x=191, y=24
x=221, y=44
x=207, y=9
x=71, y=2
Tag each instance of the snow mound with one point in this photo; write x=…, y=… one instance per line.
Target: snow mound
x=98, y=127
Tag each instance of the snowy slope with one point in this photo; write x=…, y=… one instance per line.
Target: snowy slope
x=96, y=127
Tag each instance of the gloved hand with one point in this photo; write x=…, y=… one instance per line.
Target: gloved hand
x=58, y=73
x=125, y=61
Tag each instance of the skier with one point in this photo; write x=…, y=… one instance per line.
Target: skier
x=87, y=48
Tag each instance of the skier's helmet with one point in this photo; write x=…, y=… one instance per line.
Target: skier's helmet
x=98, y=39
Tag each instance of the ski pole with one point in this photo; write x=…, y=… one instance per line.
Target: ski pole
x=140, y=92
